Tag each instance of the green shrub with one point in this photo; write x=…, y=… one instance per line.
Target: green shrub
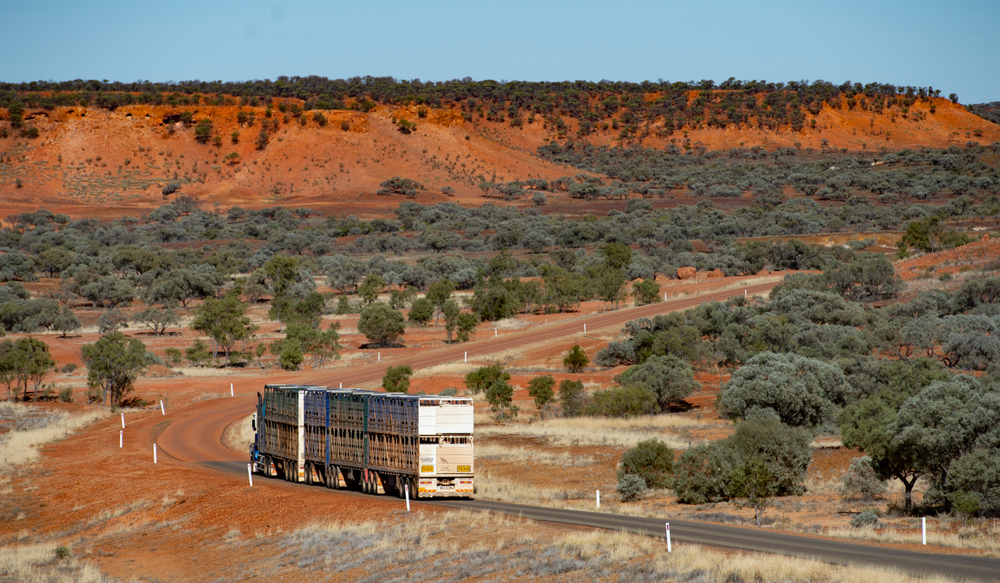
x=381, y=324
x=62, y=552
x=622, y=402
x=480, y=381
x=198, y=352
x=421, y=311
x=631, y=487
x=66, y=395
x=701, y=474
x=652, y=460
x=861, y=481
x=974, y=483
x=397, y=379
x=704, y=473
x=667, y=377
x=68, y=368
x=784, y=449
x=802, y=391
x=540, y=389
x=173, y=356
x=646, y=291
x=576, y=359
x=572, y=398
x=864, y=519
x=449, y=392
x=289, y=352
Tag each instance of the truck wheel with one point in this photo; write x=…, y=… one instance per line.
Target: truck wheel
x=309, y=474
x=267, y=466
x=413, y=489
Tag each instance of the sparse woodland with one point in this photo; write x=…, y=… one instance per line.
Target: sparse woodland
x=844, y=349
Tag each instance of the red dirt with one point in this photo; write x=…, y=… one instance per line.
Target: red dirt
x=979, y=255
x=93, y=162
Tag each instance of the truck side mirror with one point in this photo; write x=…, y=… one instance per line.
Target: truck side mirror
x=253, y=422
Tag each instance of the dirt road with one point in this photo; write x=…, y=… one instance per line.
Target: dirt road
x=197, y=435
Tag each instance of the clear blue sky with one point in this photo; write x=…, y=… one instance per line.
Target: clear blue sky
x=953, y=46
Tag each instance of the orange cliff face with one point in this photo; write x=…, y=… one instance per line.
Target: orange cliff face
x=95, y=162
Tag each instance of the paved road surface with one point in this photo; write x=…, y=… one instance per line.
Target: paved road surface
x=195, y=436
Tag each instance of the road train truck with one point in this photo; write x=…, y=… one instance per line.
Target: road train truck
x=380, y=443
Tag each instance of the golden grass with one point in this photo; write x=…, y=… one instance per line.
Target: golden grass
x=603, y=431
x=447, y=368
x=492, y=487
x=718, y=567
x=824, y=486
x=239, y=436
x=523, y=455
x=983, y=538
x=35, y=564
x=19, y=447
x=106, y=515
x=464, y=544
x=826, y=442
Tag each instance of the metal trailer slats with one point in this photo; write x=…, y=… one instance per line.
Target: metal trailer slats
x=284, y=423
x=392, y=433
x=308, y=428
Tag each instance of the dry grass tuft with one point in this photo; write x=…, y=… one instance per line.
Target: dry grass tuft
x=604, y=431
x=525, y=456
x=983, y=538
x=18, y=446
x=238, y=436
x=491, y=487
x=720, y=568
x=466, y=545
x=40, y=564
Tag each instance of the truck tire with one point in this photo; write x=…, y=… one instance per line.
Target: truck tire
x=309, y=474
x=414, y=494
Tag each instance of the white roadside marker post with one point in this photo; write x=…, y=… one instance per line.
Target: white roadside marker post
x=669, y=550
x=495, y=333
x=923, y=528
x=584, y=328
x=162, y=410
x=664, y=296
x=121, y=438
x=154, y=453
x=342, y=385
x=466, y=356
x=231, y=394
x=250, y=474
x=598, y=499
x=380, y=357
x=406, y=488
x=123, y=421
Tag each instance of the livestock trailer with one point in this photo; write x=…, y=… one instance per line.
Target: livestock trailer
x=378, y=442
